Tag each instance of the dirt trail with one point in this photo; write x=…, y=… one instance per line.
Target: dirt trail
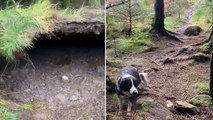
x=188, y=17
x=172, y=81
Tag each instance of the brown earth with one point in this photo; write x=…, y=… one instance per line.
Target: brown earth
x=167, y=81
x=75, y=50
x=172, y=73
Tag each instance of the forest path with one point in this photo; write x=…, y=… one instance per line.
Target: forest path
x=169, y=81
x=187, y=20
x=172, y=76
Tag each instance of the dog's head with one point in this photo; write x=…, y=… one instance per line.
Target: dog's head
x=128, y=83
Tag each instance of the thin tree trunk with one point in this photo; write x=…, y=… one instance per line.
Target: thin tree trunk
x=158, y=26
x=130, y=18
x=211, y=78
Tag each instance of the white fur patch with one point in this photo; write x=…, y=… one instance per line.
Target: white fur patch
x=127, y=75
x=145, y=76
x=117, y=83
x=133, y=88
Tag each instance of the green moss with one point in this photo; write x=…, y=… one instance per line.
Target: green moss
x=145, y=106
x=205, y=47
x=114, y=62
x=137, y=43
x=146, y=103
x=201, y=86
x=114, y=96
x=202, y=100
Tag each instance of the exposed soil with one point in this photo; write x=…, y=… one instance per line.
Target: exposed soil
x=76, y=51
x=187, y=20
x=170, y=80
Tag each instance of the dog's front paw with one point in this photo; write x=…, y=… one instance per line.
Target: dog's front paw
x=119, y=113
x=129, y=114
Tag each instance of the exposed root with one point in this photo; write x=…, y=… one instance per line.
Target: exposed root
x=173, y=32
x=5, y=68
x=2, y=74
x=182, y=50
x=150, y=49
x=200, y=43
x=173, y=37
x=168, y=60
x=29, y=61
x=165, y=33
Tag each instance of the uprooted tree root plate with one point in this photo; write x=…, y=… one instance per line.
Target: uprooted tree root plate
x=76, y=51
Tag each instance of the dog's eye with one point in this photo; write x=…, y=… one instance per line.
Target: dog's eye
x=129, y=83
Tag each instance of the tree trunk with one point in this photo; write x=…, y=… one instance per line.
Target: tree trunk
x=211, y=78
x=210, y=39
x=130, y=18
x=158, y=26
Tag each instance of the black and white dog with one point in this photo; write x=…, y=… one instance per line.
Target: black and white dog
x=127, y=86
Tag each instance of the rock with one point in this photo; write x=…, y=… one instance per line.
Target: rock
x=42, y=84
x=77, y=75
x=149, y=105
x=202, y=100
x=192, y=31
x=65, y=79
x=62, y=98
x=76, y=95
x=200, y=57
x=168, y=60
x=186, y=108
x=169, y=104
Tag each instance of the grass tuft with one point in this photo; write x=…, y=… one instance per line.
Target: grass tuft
x=18, y=26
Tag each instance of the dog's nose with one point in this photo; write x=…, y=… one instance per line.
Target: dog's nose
x=135, y=93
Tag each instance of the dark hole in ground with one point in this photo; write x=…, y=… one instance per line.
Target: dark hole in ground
x=80, y=58
x=82, y=40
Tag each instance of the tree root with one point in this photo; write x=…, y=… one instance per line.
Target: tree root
x=173, y=37
x=165, y=33
x=200, y=43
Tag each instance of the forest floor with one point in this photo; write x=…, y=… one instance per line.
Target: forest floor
x=41, y=87
x=170, y=81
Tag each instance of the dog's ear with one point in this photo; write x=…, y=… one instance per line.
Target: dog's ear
x=144, y=77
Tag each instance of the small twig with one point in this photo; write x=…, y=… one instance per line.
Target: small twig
x=4, y=69
x=110, y=6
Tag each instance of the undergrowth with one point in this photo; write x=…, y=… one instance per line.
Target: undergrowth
x=10, y=110
x=175, y=14
x=18, y=26
x=202, y=15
